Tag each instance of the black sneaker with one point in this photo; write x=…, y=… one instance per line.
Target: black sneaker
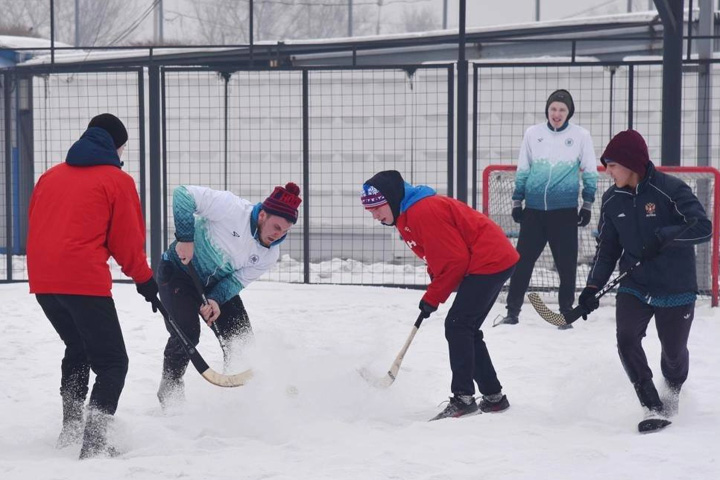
x=497, y=406
x=457, y=408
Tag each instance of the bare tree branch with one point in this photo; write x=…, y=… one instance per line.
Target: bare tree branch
x=99, y=21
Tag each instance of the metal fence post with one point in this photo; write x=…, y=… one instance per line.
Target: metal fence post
x=306, y=174
x=631, y=96
x=672, y=18
x=474, y=136
x=7, y=110
x=156, y=233
x=141, y=140
x=451, y=132
x=462, y=110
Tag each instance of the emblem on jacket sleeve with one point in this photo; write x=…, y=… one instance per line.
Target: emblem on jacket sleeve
x=649, y=209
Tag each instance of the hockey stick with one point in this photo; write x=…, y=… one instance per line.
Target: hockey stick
x=388, y=379
x=559, y=319
x=197, y=360
x=201, y=291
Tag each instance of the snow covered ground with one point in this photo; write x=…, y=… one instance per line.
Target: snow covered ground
x=573, y=413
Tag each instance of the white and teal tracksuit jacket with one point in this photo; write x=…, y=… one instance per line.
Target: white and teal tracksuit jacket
x=549, y=167
x=228, y=255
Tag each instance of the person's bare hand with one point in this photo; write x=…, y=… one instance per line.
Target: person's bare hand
x=185, y=251
x=210, y=311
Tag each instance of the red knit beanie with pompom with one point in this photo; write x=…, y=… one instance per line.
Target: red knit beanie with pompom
x=284, y=202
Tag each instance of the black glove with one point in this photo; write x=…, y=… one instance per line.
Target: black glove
x=587, y=300
x=426, y=308
x=149, y=290
x=517, y=214
x=584, y=217
x=651, y=248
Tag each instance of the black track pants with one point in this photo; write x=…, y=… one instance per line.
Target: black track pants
x=93, y=339
x=538, y=228
x=182, y=301
x=673, y=327
x=469, y=357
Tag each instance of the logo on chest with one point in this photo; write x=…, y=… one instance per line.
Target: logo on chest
x=254, y=258
x=650, y=210
x=569, y=142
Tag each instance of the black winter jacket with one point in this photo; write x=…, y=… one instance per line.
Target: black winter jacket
x=660, y=206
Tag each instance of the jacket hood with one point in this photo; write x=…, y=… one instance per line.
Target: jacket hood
x=392, y=186
x=399, y=194
x=95, y=147
x=414, y=194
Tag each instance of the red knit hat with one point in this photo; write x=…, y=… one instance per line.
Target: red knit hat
x=284, y=202
x=628, y=148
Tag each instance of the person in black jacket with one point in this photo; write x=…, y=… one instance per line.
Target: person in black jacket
x=647, y=216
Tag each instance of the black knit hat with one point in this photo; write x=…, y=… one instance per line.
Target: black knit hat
x=562, y=96
x=389, y=185
x=111, y=124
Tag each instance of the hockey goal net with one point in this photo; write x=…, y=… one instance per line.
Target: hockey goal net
x=498, y=186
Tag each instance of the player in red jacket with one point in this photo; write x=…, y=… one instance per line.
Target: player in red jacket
x=82, y=212
x=464, y=250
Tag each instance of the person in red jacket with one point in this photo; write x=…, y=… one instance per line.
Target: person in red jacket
x=82, y=212
x=464, y=250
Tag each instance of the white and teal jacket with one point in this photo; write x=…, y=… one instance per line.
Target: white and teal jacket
x=228, y=255
x=549, y=167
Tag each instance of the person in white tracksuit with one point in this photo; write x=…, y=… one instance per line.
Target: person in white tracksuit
x=555, y=156
x=231, y=242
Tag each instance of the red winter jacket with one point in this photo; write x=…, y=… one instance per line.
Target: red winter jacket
x=79, y=217
x=455, y=241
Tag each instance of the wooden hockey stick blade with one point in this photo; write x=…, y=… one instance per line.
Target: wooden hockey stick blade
x=388, y=379
x=236, y=380
x=377, y=382
x=219, y=379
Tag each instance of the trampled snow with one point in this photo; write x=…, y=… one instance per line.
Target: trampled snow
x=573, y=413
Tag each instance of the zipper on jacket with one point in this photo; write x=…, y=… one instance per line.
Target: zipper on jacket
x=547, y=185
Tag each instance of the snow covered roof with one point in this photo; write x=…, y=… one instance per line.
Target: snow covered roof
x=15, y=49
x=371, y=46
x=12, y=42
x=636, y=17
